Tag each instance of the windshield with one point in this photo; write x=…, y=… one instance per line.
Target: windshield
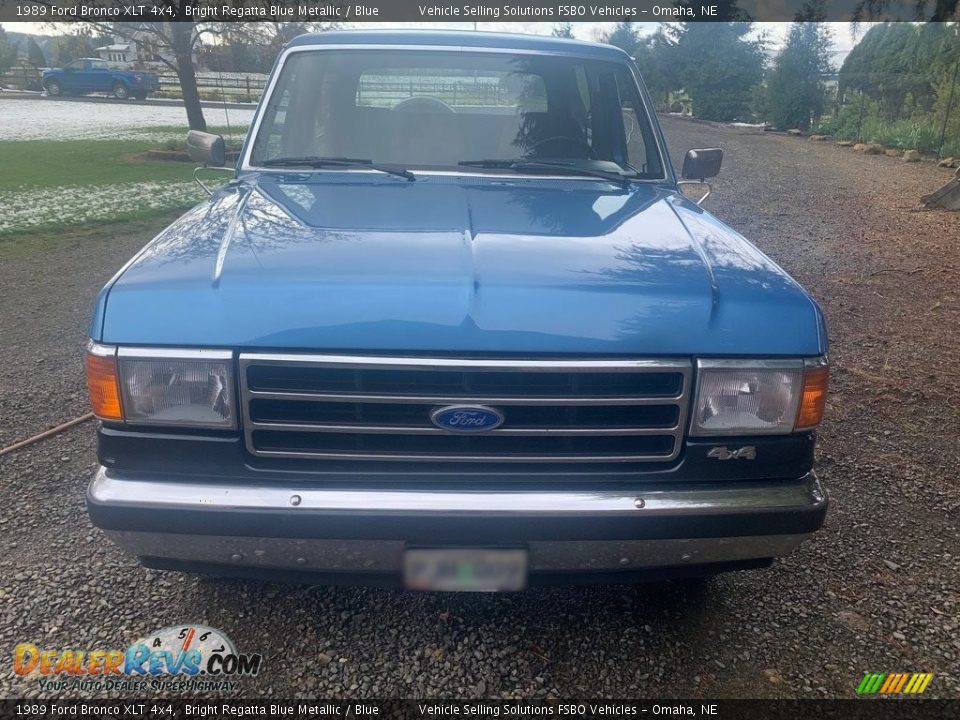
x=437, y=109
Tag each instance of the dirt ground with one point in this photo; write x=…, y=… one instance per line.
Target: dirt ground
x=878, y=589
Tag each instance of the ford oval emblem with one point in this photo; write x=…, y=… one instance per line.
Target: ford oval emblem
x=467, y=418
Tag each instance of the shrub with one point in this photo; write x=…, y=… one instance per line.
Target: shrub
x=923, y=135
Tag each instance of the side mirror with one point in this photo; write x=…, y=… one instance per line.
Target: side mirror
x=206, y=148
x=702, y=164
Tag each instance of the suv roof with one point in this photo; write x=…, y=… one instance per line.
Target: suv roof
x=508, y=41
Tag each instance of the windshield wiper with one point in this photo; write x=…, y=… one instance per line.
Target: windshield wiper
x=569, y=167
x=315, y=161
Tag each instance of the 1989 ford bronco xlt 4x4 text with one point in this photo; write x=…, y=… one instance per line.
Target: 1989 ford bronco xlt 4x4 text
x=452, y=323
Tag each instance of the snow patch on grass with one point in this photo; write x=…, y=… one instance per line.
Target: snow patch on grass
x=26, y=208
x=67, y=120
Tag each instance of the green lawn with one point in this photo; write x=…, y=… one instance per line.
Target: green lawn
x=51, y=163
x=45, y=163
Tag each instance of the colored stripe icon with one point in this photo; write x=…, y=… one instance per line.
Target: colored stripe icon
x=894, y=683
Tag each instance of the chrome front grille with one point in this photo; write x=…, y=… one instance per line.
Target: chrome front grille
x=379, y=408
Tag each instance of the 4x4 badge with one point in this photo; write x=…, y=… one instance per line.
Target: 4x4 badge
x=747, y=452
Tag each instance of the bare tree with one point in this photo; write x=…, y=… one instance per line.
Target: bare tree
x=260, y=42
x=174, y=42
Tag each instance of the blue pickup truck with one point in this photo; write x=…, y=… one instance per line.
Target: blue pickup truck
x=89, y=75
x=453, y=325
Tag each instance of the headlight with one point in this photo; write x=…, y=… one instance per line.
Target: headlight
x=758, y=397
x=177, y=387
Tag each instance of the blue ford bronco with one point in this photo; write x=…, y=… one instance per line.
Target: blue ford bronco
x=453, y=325
x=88, y=75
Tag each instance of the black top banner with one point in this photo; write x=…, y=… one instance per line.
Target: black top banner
x=314, y=709
x=340, y=11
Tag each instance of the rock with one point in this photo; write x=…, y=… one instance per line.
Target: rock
x=891, y=565
x=853, y=620
x=845, y=143
x=796, y=132
x=911, y=156
x=868, y=148
x=949, y=162
x=819, y=137
x=891, y=152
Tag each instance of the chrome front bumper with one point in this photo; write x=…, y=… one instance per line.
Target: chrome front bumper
x=310, y=529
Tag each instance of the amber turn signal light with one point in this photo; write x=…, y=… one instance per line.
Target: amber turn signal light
x=814, y=398
x=102, y=382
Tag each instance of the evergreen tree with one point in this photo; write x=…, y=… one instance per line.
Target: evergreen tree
x=8, y=53
x=625, y=36
x=35, y=55
x=656, y=58
x=939, y=10
x=900, y=64
x=719, y=67
x=795, y=91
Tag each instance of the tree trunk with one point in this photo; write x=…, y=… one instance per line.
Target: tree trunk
x=181, y=34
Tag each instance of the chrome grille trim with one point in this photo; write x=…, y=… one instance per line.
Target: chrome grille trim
x=418, y=363
x=455, y=399
x=407, y=430
x=675, y=432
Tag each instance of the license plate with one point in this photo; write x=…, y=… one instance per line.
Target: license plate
x=465, y=569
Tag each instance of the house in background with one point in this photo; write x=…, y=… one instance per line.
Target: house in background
x=137, y=44
x=120, y=52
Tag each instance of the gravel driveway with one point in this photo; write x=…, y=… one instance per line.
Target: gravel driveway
x=877, y=590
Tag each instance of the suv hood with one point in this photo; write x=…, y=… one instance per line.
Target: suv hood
x=348, y=261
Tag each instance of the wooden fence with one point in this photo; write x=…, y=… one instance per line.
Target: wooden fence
x=21, y=78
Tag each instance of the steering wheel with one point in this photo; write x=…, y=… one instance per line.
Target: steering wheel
x=591, y=153
x=422, y=104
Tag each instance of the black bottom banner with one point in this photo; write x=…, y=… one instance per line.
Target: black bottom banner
x=874, y=709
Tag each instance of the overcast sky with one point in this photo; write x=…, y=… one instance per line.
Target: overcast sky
x=841, y=32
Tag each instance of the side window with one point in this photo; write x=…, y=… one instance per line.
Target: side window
x=583, y=90
x=75, y=65
x=634, y=124
x=297, y=118
x=272, y=140
x=583, y=86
